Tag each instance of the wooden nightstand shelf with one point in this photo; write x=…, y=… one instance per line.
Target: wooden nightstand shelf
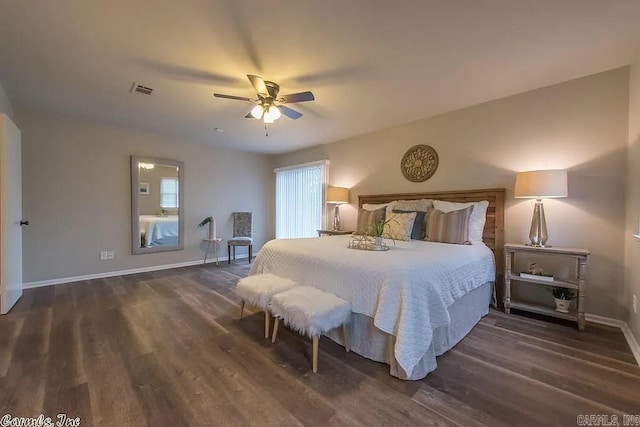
x=333, y=232
x=576, y=283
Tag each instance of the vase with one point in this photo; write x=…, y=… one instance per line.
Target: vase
x=378, y=241
x=212, y=230
x=562, y=305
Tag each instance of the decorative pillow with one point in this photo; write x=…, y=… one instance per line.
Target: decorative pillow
x=449, y=227
x=421, y=205
x=400, y=225
x=367, y=217
x=478, y=217
x=419, y=227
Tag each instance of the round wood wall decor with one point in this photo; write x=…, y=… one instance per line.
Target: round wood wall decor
x=419, y=163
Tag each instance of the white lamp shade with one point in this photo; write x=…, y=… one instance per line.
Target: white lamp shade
x=273, y=113
x=257, y=111
x=544, y=184
x=338, y=195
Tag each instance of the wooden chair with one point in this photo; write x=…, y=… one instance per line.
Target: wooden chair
x=242, y=225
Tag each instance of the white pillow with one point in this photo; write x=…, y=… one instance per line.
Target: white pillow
x=400, y=225
x=477, y=220
x=373, y=207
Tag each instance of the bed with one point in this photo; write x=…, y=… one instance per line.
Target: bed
x=158, y=230
x=410, y=304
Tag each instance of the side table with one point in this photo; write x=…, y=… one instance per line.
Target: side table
x=577, y=282
x=216, y=249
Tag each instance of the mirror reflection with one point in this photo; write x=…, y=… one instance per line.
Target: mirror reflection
x=156, y=205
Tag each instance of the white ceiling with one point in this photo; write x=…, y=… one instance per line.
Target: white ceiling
x=371, y=64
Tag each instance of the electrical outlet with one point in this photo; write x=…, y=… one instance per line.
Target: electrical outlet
x=634, y=304
x=103, y=255
x=110, y=255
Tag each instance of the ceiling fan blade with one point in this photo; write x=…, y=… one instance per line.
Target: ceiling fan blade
x=298, y=97
x=258, y=84
x=249, y=116
x=239, y=98
x=292, y=114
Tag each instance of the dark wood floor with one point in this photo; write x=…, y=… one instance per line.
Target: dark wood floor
x=166, y=348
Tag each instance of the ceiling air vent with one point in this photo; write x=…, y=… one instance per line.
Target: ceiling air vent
x=145, y=90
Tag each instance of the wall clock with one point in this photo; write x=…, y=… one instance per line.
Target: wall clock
x=419, y=163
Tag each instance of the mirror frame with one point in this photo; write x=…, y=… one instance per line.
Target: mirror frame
x=135, y=206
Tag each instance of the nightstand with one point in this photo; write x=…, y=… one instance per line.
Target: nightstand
x=333, y=232
x=576, y=282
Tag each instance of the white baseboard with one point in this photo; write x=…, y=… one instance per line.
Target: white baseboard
x=62, y=280
x=624, y=327
x=633, y=343
x=607, y=321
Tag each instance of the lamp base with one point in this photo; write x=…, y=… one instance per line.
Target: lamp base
x=538, y=232
x=336, y=218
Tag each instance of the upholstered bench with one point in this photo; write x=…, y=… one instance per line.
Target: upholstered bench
x=311, y=312
x=257, y=291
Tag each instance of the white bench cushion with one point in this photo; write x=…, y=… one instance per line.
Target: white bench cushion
x=309, y=310
x=258, y=289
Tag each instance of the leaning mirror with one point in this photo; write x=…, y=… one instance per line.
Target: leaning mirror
x=157, y=207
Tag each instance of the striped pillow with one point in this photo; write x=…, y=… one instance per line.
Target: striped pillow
x=449, y=227
x=367, y=217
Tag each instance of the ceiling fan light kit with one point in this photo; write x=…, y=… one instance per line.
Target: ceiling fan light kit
x=257, y=112
x=273, y=113
x=269, y=107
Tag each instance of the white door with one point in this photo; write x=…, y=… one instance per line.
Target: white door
x=10, y=214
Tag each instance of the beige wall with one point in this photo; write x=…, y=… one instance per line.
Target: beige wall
x=579, y=125
x=5, y=104
x=633, y=197
x=76, y=194
x=149, y=204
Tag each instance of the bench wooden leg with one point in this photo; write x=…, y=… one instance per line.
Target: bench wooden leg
x=275, y=330
x=241, y=309
x=266, y=323
x=315, y=354
x=345, y=337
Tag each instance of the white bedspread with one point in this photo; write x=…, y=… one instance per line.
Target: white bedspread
x=406, y=290
x=157, y=228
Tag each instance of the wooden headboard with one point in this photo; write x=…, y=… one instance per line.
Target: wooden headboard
x=493, y=235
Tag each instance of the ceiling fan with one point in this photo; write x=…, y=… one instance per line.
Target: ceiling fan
x=269, y=106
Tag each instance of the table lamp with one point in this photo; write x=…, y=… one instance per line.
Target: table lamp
x=542, y=184
x=337, y=196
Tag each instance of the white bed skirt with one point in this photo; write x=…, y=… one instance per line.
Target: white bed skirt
x=370, y=342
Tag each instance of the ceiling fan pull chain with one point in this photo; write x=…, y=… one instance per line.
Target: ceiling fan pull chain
x=266, y=130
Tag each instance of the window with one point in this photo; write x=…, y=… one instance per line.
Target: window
x=300, y=196
x=169, y=193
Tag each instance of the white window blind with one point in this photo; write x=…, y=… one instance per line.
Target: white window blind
x=300, y=197
x=169, y=193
